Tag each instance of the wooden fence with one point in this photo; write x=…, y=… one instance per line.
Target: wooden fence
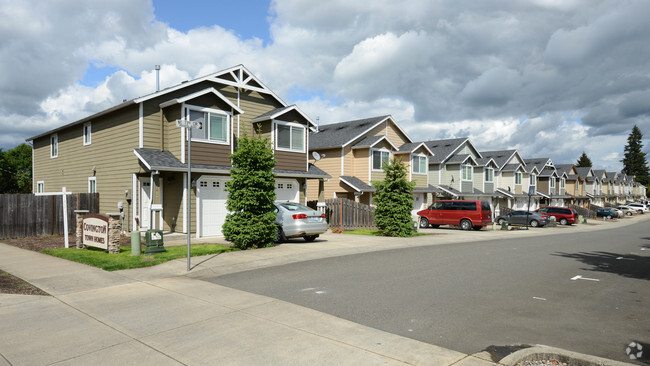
x=346, y=214
x=23, y=215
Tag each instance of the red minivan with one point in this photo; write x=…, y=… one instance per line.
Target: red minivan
x=466, y=214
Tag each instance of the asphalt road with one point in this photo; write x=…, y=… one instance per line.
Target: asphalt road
x=469, y=296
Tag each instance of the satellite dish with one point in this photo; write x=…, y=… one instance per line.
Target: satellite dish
x=315, y=155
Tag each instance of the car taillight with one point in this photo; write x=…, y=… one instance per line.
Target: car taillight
x=544, y=217
x=299, y=216
x=323, y=216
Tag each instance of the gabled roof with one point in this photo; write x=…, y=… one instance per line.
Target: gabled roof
x=512, y=168
x=486, y=162
x=548, y=172
x=198, y=94
x=356, y=184
x=409, y=147
x=540, y=163
x=344, y=133
x=443, y=149
x=461, y=159
x=563, y=169
x=371, y=141
x=501, y=157
x=584, y=172
x=531, y=169
x=237, y=76
x=278, y=112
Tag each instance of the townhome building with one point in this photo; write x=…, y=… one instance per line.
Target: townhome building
x=587, y=182
x=511, y=177
x=354, y=154
x=136, y=156
x=549, y=186
x=600, y=188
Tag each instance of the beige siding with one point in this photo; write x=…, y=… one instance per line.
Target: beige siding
x=506, y=180
x=152, y=126
x=433, y=174
x=377, y=176
x=75, y=161
x=451, y=170
x=348, y=161
x=291, y=160
x=419, y=179
x=361, y=164
x=479, y=177
x=172, y=133
x=331, y=164
x=210, y=154
x=253, y=104
x=173, y=201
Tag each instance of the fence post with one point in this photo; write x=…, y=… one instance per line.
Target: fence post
x=341, y=213
x=65, y=218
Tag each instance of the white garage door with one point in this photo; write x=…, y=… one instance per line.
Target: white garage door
x=211, y=195
x=287, y=190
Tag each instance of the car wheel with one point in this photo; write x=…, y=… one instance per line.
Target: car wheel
x=609, y=217
x=629, y=213
x=279, y=235
x=310, y=238
x=465, y=224
x=501, y=221
x=424, y=223
x=534, y=223
x=564, y=221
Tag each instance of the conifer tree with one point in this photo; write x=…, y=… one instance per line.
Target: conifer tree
x=394, y=200
x=251, y=193
x=634, y=160
x=584, y=161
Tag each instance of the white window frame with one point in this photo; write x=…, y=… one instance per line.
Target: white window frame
x=87, y=137
x=206, y=125
x=533, y=180
x=518, y=178
x=469, y=169
x=54, y=145
x=552, y=183
x=563, y=183
x=489, y=178
x=418, y=158
x=40, y=186
x=382, y=161
x=291, y=126
x=92, y=182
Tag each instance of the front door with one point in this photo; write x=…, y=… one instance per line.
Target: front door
x=145, y=202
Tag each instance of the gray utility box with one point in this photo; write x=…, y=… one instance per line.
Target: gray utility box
x=154, y=241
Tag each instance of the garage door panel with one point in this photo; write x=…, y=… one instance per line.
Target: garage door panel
x=287, y=190
x=212, y=206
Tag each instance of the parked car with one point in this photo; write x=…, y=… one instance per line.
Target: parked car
x=535, y=219
x=609, y=213
x=638, y=206
x=295, y=220
x=628, y=211
x=466, y=214
x=563, y=215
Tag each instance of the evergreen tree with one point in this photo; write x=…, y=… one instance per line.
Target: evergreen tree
x=394, y=200
x=16, y=169
x=584, y=161
x=634, y=160
x=251, y=193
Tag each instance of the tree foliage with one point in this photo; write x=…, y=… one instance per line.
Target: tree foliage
x=584, y=161
x=251, y=193
x=634, y=159
x=394, y=200
x=16, y=169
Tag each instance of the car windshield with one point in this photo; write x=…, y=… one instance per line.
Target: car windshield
x=292, y=206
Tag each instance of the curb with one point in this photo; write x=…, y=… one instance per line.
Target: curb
x=538, y=353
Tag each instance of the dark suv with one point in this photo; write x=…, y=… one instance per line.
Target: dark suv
x=563, y=215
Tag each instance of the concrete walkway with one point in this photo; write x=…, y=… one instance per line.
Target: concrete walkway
x=166, y=316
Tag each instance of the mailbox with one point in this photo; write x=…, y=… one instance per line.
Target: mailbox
x=154, y=241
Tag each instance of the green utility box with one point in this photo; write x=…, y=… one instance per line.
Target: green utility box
x=154, y=241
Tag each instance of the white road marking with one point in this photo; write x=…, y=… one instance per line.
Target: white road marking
x=320, y=292
x=625, y=259
x=578, y=277
x=539, y=298
x=644, y=248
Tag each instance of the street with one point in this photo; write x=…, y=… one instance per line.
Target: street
x=586, y=292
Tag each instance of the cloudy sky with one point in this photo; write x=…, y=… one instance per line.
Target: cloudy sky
x=551, y=78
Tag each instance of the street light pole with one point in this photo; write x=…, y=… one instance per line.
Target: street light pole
x=189, y=125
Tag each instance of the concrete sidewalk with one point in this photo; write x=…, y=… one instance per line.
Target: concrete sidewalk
x=165, y=315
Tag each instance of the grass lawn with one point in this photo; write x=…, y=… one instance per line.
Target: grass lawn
x=124, y=260
x=372, y=232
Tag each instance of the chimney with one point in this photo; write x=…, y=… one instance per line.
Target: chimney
x=157, y=77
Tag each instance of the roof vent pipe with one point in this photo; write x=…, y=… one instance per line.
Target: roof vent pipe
x=317, y=123
x=157, y=77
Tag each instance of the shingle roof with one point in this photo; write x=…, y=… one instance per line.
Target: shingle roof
x=547, y=172
x=368, y=141
x=459, y=159
x=442, y=148
x=583, y=171
x=357, y=183
x=166, y=161
x=339, y=134
x=484, y=161
x=411, y=146
x=563, y=168
x=511, y=167
x=500, y=156
x=539, y=163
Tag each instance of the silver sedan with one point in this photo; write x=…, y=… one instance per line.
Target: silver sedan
x=295, y=220
x=535, y=219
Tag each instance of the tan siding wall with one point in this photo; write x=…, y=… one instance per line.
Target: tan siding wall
x=395, y=135
x=210, y=154
x=451, y=170
x=152, y=126
x=291, y=160
x=172, y=133
x=173, y=201
x=348, y=159
x=361, y=164
x=479, y=177
x=377, y=176
x=507, y=180
x=111, y=153
x=433, y=175
x=419, y=179
x=254, y=104
x=331, y=164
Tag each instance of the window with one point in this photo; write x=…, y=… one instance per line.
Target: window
x=290, y=137
x=562, y=183
x=54, y=146
x=40, y=186
x=87, y=131
x=379, y=159
x=552, y=180
x=419, y=164
x=466, y=173
x=92, y=184
x=489, y=175
x=518, y=178
x=533, y=180
x=214, y=126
